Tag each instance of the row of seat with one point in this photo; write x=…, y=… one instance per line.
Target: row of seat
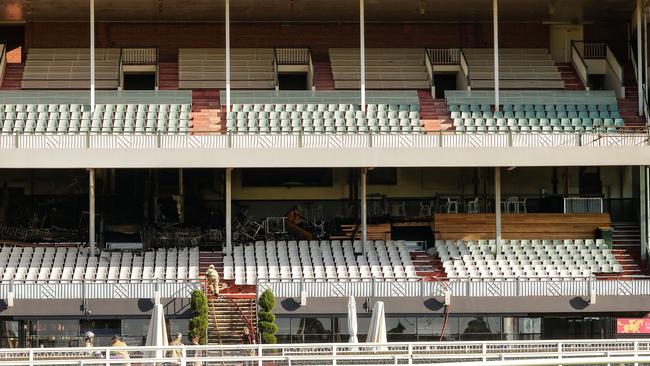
x=53, y=264
x=538, y=115
x=515, y=259
x=319, y=261
x=325, y=125
x=51, y=108
x=534, y=124
x=322, y=108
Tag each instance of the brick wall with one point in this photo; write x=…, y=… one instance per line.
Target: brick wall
x=171, y=36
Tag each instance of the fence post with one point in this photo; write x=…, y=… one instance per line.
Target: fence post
x=410, y=360
x=183, y=356
x=334, y=355
x=158, y=138
x=636, y=349
x=259, y=356
x=559, y=351
x=484, y=351
x=16, y=141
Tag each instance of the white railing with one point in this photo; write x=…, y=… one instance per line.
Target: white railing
x=322, y=141
x=430, y=72
x=444, y=56
x=583, y=205
x=568, y=352
x=459, y=287
x=464, y=66
x=579, y=65
x=292, y=56
x=594, y=50
x=139, y=56
x=96, y=289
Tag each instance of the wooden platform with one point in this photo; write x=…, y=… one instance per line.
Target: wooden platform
x=375, y=232
x=519, y=226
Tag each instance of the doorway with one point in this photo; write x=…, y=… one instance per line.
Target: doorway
x=139, y=81
x=443, y=83
x=561, y=37
x=292, y=81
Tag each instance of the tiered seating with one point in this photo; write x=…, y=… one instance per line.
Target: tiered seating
x=537, y=117
x=319, y=261
x=107, y=118
x=251, y=68
x=75, y=264
x=323, y=118
x=69, y=68
x=386, y=68
x=519, y=68
x=545, y=259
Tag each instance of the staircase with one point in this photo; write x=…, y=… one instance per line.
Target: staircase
x=206, y=111
x=627, y=248
x=429, y=267
x=168, y=76
x=570, y=77
x=323, y=78
x=228, y=316
x=434, y=115
x=629, y=107
x=13, y=77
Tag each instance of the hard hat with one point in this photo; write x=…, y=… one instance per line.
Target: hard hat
x=90, y=334
x=211, y=266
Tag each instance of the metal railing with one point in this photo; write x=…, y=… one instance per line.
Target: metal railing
x=587, y=287
x=140, y=56
x=293, y=56
x=97, y=289
x=567, y=352
x=275, y=70
x=444, y=56
x=430, y=72
x=583, y=205
x=286, y=140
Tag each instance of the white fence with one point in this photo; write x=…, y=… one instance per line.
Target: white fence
x=575, y=352
x=320, y=141
x=460, y=287
x=583, y=205
x=44, y=290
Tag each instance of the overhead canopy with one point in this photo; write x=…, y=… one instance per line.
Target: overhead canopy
x=319, y=10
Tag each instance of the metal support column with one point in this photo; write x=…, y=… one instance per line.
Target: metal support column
x=92, y=55
x=181, y=196
x=227, y=25
x=497, y=206
x=228, y=211
x=643, y=208
x=91, y=211
x=364, y=208
x=362, y=51
x=639, y=55
x=495, y=20
x=645, y=47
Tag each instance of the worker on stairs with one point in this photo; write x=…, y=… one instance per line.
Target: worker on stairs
x=212, y=276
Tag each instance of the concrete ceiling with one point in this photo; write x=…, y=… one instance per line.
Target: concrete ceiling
x=318, y=10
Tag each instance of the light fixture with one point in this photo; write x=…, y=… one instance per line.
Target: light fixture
x=511, y=168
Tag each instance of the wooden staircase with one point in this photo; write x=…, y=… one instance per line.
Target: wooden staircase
x=206, y=111
x=627, y=249
x=228, y=316
x=323, y=78
x=570, y=77
x=429, y=267
x=168, y=76
x=434, y=115
x=13, y=77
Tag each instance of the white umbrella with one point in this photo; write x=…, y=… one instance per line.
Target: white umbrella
x=157, y=333
x=352, y=320
x=377, y=331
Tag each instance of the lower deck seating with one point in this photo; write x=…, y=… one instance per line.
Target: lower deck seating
x=324, y=261
x=517, y=260
x=52, y=264
x=106, y=118
x=323, y=118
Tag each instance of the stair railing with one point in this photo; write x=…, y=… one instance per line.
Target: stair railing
x=644, y=87
x=430, y=71
x=243, y=316
x=579, y=64
x=464, y=67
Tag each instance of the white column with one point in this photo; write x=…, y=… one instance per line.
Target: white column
x=497, y=205
x=91, y=211
x=92, y=55
x=362, y=51
x=364, y=209
x=227, y=24
x=639, y=55
x=643, y=205
x=495, y=20
x=228, y=210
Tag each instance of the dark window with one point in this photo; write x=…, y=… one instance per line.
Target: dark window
x=287, y=177
x=382, y=176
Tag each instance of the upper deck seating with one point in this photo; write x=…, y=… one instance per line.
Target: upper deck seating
x=251, y=68
x=319, y=261
x=69, y=68
x=519, y=68
x=323, y=118
x=543, y=259
x=71, y=264
x=107, y=118
x=386, y=68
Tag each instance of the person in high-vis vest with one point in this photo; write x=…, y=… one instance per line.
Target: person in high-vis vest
x=119, y=355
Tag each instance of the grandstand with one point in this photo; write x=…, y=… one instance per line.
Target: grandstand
x=482, y=173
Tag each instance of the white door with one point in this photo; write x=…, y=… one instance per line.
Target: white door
x=561, y=37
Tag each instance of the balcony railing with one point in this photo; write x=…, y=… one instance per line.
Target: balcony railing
x=211, y=140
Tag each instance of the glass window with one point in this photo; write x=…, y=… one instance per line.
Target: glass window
x=104, y=330
x=9, y=333
x=480, y=328
x=134, y=331
x=429, y=329
x=312, y=330
x=400, y=329
x=58, y=333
